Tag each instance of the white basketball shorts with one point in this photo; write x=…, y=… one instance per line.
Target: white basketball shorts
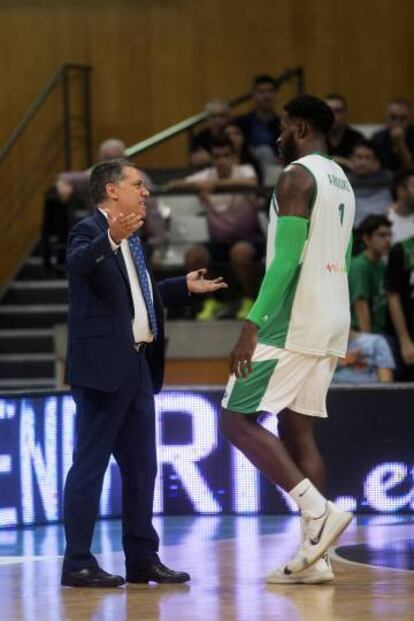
x=281, y=379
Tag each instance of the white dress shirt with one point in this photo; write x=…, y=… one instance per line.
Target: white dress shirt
x=140, y=323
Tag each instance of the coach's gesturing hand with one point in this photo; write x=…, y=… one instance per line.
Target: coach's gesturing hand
x=241, y=356
x=196, y=283
x=121, y=227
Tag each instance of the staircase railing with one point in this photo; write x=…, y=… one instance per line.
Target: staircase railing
x=54, y=134
x=61, y=76
x=187, y=125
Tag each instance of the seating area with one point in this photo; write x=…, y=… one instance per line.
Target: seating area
x=210, y=212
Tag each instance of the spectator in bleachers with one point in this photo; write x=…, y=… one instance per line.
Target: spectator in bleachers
x=70, y=193
x=218, y=115
x=242, y=152
x=342, y=138
x=366, y=277
x=395, y=143
x=401, y=212
x=368, y=360
x=235, y=233
x=370, y=182
x=399, y=284
x=261, y=126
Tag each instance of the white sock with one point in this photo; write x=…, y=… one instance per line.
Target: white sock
x=308, y=498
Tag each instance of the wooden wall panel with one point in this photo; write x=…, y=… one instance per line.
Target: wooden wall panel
x=157, y=61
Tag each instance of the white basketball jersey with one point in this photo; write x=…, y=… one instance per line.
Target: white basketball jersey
x=315, y=316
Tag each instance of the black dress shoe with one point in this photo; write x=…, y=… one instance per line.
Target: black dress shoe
x=91, y=577
x=156, y=572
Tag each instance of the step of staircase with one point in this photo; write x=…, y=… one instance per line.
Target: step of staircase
x=32, y=316
x=23, y=366
x=26, y=384
x=26, y=341
x=37, y=292
x=33, y=269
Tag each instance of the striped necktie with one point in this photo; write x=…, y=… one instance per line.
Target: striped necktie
x=137, y=253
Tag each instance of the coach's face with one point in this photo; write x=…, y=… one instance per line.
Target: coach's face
x=287, y=142
x=131, y=193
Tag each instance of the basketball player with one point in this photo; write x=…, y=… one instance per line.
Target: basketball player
x=285, y=357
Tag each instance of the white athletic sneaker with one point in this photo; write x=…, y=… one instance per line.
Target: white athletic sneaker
x=319, y=573
x=320, y=534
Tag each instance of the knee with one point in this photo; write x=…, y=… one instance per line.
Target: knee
x=242, y=252
x=197, y=257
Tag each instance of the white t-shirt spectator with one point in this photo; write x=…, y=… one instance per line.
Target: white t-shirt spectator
x=231, y=217
x=402, y=226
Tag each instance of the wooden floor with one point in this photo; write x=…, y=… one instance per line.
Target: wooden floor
x=227, y=558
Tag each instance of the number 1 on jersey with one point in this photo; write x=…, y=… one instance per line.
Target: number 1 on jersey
x=341, y=213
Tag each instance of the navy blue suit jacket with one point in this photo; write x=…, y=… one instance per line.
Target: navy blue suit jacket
x=100, y=338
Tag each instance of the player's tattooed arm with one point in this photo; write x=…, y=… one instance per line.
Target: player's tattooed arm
x=295, y=191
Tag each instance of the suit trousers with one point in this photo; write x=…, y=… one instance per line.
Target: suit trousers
x=121, y=423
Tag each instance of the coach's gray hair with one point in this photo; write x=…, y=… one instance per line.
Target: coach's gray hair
x=110, y=171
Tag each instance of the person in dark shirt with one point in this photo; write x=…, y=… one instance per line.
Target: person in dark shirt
x=261, y=126
x=395, y=143
x=342, y=138
x=401, y=211
x=370, y=182
x=218, y=115
x=399, y=284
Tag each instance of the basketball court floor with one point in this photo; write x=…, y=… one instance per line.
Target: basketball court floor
x=228, y=558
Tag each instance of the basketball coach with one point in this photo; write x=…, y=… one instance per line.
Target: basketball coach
x=115, y=364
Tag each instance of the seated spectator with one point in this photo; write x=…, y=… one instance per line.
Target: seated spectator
x=395, y=143
x=71, y=192
x=401, y=212
x=366, y=277
x=399, y=284
x=342, y=138
x=235, y=233
x=218, y=115
x=261, y=126
x=242, y=152
x=370, y=182
x=78, y=180
x=368, y=360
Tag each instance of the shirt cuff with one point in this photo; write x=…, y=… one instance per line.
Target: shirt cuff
x=114, y=246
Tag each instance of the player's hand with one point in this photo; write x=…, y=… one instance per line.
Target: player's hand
x=121, y=227
x=196, y=283
x=241, y=356
x=407, y=351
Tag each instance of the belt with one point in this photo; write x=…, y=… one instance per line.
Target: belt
x=141, y=347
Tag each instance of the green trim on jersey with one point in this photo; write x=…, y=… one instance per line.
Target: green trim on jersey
x=276, y=330
x=272, y=309
x=248, y=392
x=325, y=155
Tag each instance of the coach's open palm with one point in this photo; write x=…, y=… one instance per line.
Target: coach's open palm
x=196, y=283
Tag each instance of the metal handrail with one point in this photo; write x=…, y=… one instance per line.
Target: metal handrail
x=192, y=121
x=36, y=105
